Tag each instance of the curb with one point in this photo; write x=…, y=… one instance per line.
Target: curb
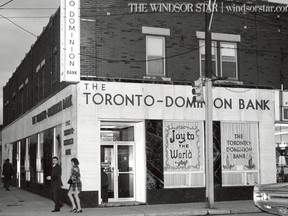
x=218, y=212
x=252, y=211
x=183, y=213
x=203, y=212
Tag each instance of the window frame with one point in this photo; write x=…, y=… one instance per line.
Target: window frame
x=54, y=70
x=195, y=177
x=21, y=101
x=39, y=156
x=163, y=56
x=216, y=57
x=40, y=84
x=27, y=160
x=221, y=38
x=40, y=76
x=245, y=173
x=221, y=59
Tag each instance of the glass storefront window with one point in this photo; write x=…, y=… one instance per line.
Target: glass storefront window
x=15, y=158
x=27, y=160
x=40, y=159
x=183, y=152
x=22, y=146
x=240, y=157
x=48, y=140
x=281, y=137
x=32, y=157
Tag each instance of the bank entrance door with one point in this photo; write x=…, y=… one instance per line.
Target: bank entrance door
x=117, y=160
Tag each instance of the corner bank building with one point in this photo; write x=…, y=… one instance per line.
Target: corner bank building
x=112, y=86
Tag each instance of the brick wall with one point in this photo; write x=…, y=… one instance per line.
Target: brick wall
x=22, y=92
x=116, y=46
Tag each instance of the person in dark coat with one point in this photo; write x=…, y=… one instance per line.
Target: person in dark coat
x=7, y=173
x=104, y=186
x=56, y=184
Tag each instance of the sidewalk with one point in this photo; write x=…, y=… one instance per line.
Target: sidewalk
x=17, y=202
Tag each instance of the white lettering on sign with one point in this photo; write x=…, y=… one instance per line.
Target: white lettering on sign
x=70, y=41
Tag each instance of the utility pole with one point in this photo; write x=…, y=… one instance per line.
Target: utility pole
x=209, y=170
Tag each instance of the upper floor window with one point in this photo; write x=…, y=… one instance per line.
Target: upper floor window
x=214, y=57
x=13, y=106
x=21, y=101
x=155, y=50
x=228, y=54
x=226, y=64
x=224, y=55
x=40, y=84
x=54, y=66
x=155, y=56
x=40, y=79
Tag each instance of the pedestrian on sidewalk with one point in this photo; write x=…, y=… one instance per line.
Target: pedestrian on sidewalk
x=75, y=186
x=56, y=184
x=7, y=173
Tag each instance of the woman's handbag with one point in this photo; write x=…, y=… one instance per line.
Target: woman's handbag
x=70, y=181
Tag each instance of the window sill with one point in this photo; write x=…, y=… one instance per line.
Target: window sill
x=157, y=78
x=230, y=81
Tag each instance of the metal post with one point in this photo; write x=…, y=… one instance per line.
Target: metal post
x=209, y=170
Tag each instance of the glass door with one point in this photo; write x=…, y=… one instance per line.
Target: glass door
x=107, y=172
x=117, y=161
x=125, y=175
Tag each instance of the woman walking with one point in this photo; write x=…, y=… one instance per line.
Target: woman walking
x=75, y=186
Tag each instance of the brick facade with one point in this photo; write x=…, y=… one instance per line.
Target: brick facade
x=27, y=88
x=120, y=44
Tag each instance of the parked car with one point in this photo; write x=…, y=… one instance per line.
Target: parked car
x=272, y=198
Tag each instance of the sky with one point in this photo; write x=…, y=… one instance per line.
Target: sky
x=28, y=17
x=20, y=22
